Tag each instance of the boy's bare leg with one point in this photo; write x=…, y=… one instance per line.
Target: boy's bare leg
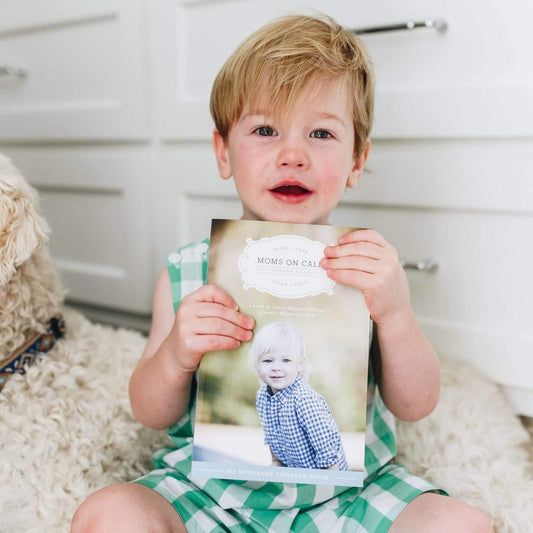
x=434, y=513
x=128, y=508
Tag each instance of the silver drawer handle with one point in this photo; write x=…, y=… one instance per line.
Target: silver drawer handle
x=10, y=70
x=427, y=265
x=439, y=25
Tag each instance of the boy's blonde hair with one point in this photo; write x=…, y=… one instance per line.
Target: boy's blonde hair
x=287, y=55
x=279, y=338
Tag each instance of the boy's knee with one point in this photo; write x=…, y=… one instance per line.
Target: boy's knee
x=125, y=507
x=478, y=521
x=441, y=514
x=467, y=519
x=98, y=511
x=83, y=520
x=464, y=518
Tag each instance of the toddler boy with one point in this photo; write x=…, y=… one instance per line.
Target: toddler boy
x=293, y=111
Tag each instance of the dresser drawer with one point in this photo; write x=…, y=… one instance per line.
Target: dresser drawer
x=468, y=174
x=96, y=200
x=72, y=70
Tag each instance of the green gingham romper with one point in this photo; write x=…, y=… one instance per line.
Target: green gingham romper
x=214, y=505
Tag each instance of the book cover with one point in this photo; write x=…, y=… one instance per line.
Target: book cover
x=290, y=405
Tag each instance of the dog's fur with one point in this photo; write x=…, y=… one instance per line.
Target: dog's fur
x=29, y=290
x=66, y=427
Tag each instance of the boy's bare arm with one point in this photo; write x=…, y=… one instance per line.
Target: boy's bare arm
x=408, y=368
x=207, y=320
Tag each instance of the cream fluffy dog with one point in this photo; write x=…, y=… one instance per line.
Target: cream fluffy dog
x=29, y=290
x=66, y=427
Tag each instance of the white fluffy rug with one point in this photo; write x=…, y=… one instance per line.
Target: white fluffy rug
x=474, y=447
x=66, y=429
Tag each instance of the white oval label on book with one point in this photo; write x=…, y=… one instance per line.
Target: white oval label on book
x=286, y=266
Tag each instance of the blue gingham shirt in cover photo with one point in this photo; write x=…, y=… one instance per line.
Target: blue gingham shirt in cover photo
x=299, y=427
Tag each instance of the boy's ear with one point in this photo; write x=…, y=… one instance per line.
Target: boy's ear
x=358, y=166
x=221, y=153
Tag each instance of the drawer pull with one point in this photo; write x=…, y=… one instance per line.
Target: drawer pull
x=439, y=25
x=10, y=70
x=427, y=265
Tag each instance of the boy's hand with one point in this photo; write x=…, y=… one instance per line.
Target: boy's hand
x=207, y=320
x=365, y=260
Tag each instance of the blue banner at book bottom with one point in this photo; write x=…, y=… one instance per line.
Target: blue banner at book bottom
x=239, y=471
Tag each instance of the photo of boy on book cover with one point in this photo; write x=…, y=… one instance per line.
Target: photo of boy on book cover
x=297, y=422
x=291, y=403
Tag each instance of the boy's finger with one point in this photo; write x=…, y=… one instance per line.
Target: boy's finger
x=223, y=328
x=211, y=343
x=364, y=249
x=363, y=235
x=214, y=294
x=213, y=310
x=354, y=278
x=363, y=264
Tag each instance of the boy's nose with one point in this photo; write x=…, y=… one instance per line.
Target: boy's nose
x=293, y=155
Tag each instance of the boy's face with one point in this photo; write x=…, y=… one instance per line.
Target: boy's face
x=278, y=371
x=293, y=167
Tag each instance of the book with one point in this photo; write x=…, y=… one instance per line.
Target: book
x=290, y=405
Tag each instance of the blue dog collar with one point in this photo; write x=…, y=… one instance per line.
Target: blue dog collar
x=29, y=352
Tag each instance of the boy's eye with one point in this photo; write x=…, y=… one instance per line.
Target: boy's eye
x=265, y=131
x=267, y=360
x=286, y=360
x=321, y=134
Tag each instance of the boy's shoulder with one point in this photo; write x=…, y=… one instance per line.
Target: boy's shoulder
x=187, y=269
x=261, y=394
x=196, y=252
x=305, y=394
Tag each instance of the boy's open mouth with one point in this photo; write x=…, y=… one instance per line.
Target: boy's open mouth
x=291, y=190
x=291, y=193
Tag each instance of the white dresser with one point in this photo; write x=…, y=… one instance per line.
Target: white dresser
x=104, y=107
